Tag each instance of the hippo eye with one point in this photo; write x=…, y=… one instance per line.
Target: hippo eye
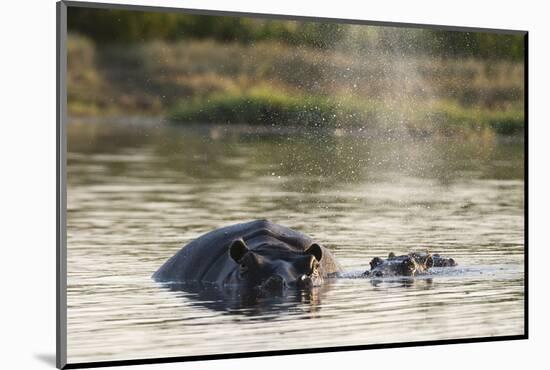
x=243, y=268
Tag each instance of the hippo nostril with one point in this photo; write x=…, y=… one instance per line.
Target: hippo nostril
x=274, y=283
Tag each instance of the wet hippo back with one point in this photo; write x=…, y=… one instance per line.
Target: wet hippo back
x=208, y=258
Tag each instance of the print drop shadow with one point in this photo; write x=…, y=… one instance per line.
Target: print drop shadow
x=47, y=358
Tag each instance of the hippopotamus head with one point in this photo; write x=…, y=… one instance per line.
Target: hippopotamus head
x=405, y=265
x=273, y=269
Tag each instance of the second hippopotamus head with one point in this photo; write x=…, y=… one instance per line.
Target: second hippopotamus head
x=406, y=265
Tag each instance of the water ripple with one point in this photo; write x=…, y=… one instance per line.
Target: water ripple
x=133, y=205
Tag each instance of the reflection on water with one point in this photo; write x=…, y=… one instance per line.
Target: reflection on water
x=137, y=193
x=249, y=302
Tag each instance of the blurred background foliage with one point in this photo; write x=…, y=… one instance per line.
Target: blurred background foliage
x=123, y=26
x=222, y=69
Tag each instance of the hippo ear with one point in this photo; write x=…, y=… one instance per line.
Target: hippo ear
x=316, y=251
x=237, y=250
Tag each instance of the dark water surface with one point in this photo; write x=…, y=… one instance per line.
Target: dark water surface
x=138, y=192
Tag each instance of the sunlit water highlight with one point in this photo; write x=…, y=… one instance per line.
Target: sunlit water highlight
x=137, y=193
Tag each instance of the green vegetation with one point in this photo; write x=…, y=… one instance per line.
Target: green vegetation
x=272, y=108
x=116, y=26
x=268, y=107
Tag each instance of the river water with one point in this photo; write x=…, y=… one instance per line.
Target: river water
x=139, y=191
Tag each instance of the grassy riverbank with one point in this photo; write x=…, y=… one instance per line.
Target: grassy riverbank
x=272, y=108
x=271, y=83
